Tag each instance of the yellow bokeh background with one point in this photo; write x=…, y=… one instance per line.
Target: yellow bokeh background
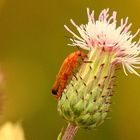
x=32, y=48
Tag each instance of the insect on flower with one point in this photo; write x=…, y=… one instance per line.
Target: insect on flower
x=66, y=71
x=109, y=45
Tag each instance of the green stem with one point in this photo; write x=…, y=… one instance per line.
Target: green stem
x=70, y=132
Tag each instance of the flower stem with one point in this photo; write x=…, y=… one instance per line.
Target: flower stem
x=70, y=132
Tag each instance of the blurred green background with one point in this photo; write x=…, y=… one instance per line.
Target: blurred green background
x=32, y=48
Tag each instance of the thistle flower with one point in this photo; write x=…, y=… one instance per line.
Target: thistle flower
x=11, y=131
x=86, y=99
x=104, y=33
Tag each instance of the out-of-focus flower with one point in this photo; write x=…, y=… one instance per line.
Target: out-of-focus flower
x=10, y=131
x=86, y=99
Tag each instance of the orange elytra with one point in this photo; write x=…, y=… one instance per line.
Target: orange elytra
x=66, y=72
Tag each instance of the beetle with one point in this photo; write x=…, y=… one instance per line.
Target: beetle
x=70, y=63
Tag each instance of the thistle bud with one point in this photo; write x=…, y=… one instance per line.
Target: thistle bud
x=86, y=99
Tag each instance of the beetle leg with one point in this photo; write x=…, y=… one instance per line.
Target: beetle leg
x=74, y=76
x=87, y=61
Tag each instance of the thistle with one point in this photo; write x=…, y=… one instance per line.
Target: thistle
x=86, y=99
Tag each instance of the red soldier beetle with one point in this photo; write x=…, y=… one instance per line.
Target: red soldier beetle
x=66, y=72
